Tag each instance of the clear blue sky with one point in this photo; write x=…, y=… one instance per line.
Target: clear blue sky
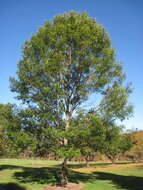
x=123, y=19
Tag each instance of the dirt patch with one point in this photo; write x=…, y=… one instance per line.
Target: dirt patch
x=70, y=186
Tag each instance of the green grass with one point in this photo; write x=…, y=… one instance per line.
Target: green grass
x=18, y=174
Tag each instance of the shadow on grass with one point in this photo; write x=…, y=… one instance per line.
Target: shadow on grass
x=47, y=175
x=120, y=181
x=11, y=186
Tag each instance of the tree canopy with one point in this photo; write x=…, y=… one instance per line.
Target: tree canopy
x=64, y=62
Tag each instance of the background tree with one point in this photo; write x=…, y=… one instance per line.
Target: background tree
x=68, y=59
x=114, y=104
x=136, y=152
x=88, y=133
x=117, y=143
x=114, y=143
x=8, y=123
x=127, y=142
x=33, y=123
x=14, y=139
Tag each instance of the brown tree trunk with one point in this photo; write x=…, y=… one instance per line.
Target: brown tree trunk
x=63, y=180
x=87, y=161
x=64, y=173
x=61, y=176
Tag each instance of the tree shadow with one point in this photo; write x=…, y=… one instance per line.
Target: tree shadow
x=11, y=186
x=120, y=181
x=48, y=175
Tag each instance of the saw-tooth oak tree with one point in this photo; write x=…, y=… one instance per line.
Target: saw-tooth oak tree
x=68, y=59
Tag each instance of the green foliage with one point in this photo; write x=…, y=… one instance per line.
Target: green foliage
x=112, y=142
x=88, y=133
x=114, y=104
x=127, y=142
x=14, y=139
x=117, y=142
x=8, y=122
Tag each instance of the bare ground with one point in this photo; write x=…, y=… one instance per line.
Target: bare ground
x=70, y=186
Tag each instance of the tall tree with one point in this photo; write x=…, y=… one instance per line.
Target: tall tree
x=68, y=59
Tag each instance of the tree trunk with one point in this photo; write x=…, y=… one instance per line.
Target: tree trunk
x=87, y=161
x=68, y=117
x=63, y=178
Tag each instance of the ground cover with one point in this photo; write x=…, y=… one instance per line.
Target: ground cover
x=18, y=174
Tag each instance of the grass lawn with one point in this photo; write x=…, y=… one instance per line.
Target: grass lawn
x=18, y=174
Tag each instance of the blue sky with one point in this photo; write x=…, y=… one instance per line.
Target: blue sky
x=122, y=19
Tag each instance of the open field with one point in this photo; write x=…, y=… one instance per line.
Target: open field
x=36, y=174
